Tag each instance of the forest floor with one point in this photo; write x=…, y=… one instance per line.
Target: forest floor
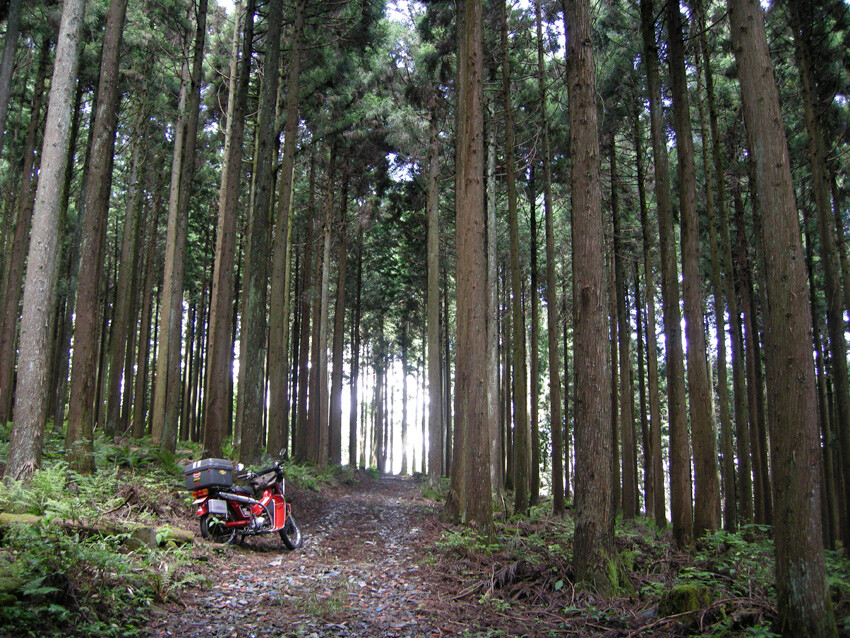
x=367, y=568
x=373, y=565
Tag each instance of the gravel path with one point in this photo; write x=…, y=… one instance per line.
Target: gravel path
x=364, y=570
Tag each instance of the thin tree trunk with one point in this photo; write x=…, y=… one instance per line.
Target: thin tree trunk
x=140, y=402
x=681, y=507
x=435, y=439
x=335, y=418
x=355, y=355
x=656, y=506
x=706, y=479
x=534, y=364
x=302, y=428
x=555, y=416
x=727, y=467
x=624, y=337
x=522, y=454
x=14, y=272
x=125, y=290
x=40, y=284
x=10, y=43
x=279, y=397
x=493, y=400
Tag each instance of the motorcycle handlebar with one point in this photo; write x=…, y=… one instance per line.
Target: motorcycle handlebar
x=250, y=475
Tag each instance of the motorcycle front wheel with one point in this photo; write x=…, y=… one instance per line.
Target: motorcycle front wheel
x=290, y=534
x=213, y=528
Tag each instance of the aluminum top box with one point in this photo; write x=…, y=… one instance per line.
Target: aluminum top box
x=208, y=473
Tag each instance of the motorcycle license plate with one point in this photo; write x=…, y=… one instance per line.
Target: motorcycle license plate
x=217, y=506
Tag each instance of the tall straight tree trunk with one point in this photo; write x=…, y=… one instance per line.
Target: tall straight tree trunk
x=127, y=275
x=323, y=414
x=302, y=427
x=470, y=497
x=566, y=324
x=743, y=483
x=522, y=453
x=681, y=507
x=81, y=414
x=405, y=337
x=801, y=26
x=803, y=601
x=747, y=460
x=534, y=363
x=830, y=508
x=355, y=355
x=335, y=416
x=14, y=272
x=254, y=324
x=69, y=260
x=435, y=438
x=593, y=549
x=279, y=397
x=706, y=480
x=140, y=397
x=727, y=467
x=7, y=65
x=656, y=505
x=167, y=395
x=613, y=341
x=556, y=425
x=624, y=337
x=218, y=389
x=493, y=400
x=40, y=284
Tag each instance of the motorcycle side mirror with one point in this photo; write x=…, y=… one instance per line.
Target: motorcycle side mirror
x=239, y=467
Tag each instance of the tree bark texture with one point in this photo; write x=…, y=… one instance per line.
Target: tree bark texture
x=470, y=497
x=81, y=409
x=802, y=596
x=40, y=284
x=829, y=253
x=594, y=506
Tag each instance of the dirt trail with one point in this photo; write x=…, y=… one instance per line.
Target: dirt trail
x=364, y=570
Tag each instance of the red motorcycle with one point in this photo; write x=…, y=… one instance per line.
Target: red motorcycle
x=226, y=510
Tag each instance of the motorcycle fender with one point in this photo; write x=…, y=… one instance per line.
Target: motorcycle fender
x=202, y=507
x=279, y=512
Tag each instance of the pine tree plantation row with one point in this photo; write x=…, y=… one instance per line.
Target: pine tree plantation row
x=217, y=223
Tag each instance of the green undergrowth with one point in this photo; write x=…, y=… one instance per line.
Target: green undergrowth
x=67, y=574
x=724, y=586
x=60, y=578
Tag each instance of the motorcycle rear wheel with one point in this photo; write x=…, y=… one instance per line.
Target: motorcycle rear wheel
x=213, y=529
x=291, y=534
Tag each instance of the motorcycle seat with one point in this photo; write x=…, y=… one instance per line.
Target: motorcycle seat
x=242, y=489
